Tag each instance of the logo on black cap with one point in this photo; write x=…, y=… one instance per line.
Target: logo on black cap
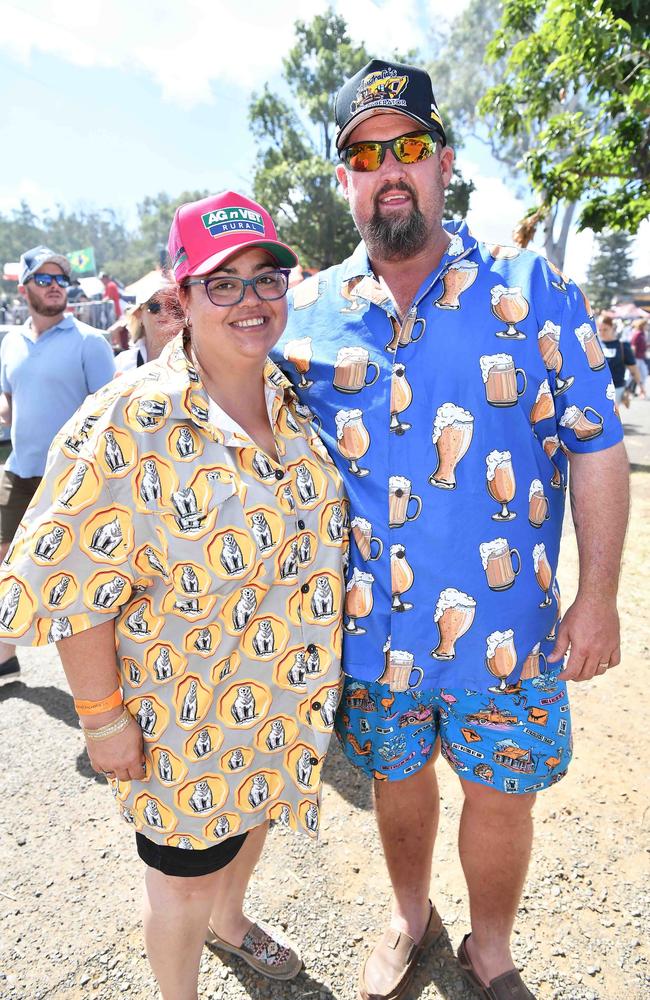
x=380, y=88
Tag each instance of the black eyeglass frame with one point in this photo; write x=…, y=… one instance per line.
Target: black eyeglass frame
x=245, y=282
x=46, y=280
x=386, y=144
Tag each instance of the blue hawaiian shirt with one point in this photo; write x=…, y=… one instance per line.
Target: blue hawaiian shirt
x=451, y=429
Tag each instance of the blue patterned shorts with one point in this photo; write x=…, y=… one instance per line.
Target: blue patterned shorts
x=516, y=739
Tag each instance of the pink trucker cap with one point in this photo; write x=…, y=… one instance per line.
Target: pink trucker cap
x=205, y=233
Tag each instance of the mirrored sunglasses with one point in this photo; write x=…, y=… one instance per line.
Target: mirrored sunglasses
x=45, y=280
x=363, y=157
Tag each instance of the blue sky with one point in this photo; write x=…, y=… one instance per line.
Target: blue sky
x=106, y=102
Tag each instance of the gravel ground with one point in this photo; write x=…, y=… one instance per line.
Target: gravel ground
x=70, y=879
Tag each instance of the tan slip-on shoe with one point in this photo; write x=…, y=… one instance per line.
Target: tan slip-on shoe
x=264, y=949
x=508, y=986
x=395, y=958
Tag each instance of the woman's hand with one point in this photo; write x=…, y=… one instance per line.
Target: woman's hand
x=120, y=756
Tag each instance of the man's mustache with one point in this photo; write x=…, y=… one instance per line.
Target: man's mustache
x=398, y=186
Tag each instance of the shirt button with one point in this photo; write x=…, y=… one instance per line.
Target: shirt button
x=315, y=705
x=305, y=588
x=279, y=474
x=301, y=525
x=311, y=648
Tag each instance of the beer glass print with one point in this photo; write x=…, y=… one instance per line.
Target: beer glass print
x=351, y=369
x=401, y=577
x=362, y=531
x=352, y=438
x=500, y=379
x=457, y=279
x=454, y=615
x=401, y=397
x=299, y=353
x=453, y=428
x=358, y=601
x=538, y=511
x=548, y=340
x=543, y=573
x=560, y=284
x=503, y=253
x=510, y=306
x=399, y=671
x=501, y=657
x=498, y=562
x=578, y=421
x=347, y=291
x=551, y=446
x=408, y=332
x=501, y=486
x=590, y=344
x=543, y=408
x=531, y=667
x=399, y=502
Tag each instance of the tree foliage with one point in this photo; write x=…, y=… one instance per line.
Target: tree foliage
x=576, y=72
x=610, y=270
x=294, y=177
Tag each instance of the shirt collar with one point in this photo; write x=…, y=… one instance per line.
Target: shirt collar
x=65, y=324
x=461, y=243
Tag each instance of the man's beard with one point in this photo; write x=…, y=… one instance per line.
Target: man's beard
x=396, y=237
x=41, y=307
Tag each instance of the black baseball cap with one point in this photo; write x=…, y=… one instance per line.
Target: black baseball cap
x=382, y=87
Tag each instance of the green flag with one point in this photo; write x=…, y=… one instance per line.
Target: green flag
x=83, y=261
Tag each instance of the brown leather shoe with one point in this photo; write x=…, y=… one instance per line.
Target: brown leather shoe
x=395, y=958
x=508, y=986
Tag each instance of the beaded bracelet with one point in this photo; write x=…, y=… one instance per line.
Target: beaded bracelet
x=97, y=707
x=112, y=729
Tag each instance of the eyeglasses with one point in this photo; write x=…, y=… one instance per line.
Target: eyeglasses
x=45, y=280
x=363, y=157
x=227, y=290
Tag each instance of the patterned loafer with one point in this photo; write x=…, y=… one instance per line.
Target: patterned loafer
x=395, y=958
x=264, y=949
x=508, y=986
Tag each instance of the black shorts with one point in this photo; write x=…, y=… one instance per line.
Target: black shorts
x=15, y=496
x=185, y=863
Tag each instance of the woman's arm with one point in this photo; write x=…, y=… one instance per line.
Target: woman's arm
x=90, y=666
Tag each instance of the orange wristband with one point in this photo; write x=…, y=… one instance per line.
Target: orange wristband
x=96, y=707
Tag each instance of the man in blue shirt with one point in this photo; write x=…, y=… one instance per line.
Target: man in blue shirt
x=47, y=368
x=455, y=383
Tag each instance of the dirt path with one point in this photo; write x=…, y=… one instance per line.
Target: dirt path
x=70, y=881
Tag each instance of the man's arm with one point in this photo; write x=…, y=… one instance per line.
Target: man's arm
x=99, y=362
x=5, y=408
x=599, y=489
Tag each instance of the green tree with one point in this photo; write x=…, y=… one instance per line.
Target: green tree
x=610, y=269
x=576, y=73
x=294, y=177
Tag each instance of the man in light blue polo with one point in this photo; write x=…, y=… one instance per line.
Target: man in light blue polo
x=47, y=368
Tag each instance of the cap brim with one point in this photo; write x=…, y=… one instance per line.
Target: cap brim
x=362, y=116
x=282, y=253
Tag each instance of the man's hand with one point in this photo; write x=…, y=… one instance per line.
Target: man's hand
x=592, y=632
x=120, y=756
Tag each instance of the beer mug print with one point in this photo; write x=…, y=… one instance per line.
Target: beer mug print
x=408, y=332
x=537, y=504
x=548, y=340
x=399, y=671
x=299, y=353
x=401, y=577
x=453, y=428
x=498, y=562
x=358, y=601
x=551, y=446
x=578, y=421
x=500, y=379
x=500, y=478
x=543, y=408
x=531, y=667
x=502, y=253
x=362, y=532
x=510, y=306
x=352, y=438
x=543, y=573
x=456, y=280
x=590, y=344
x=454, y=615
x=501, y=657
x=610, y=394
x=399, y=502
x=351, y=369
x=401, y=398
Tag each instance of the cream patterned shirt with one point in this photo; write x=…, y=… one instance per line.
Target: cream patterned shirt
x=222, y=571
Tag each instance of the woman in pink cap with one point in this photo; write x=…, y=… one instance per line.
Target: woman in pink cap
x=185, y=552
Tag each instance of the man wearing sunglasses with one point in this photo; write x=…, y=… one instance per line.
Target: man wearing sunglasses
x=453, y=380
x=47, y=368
